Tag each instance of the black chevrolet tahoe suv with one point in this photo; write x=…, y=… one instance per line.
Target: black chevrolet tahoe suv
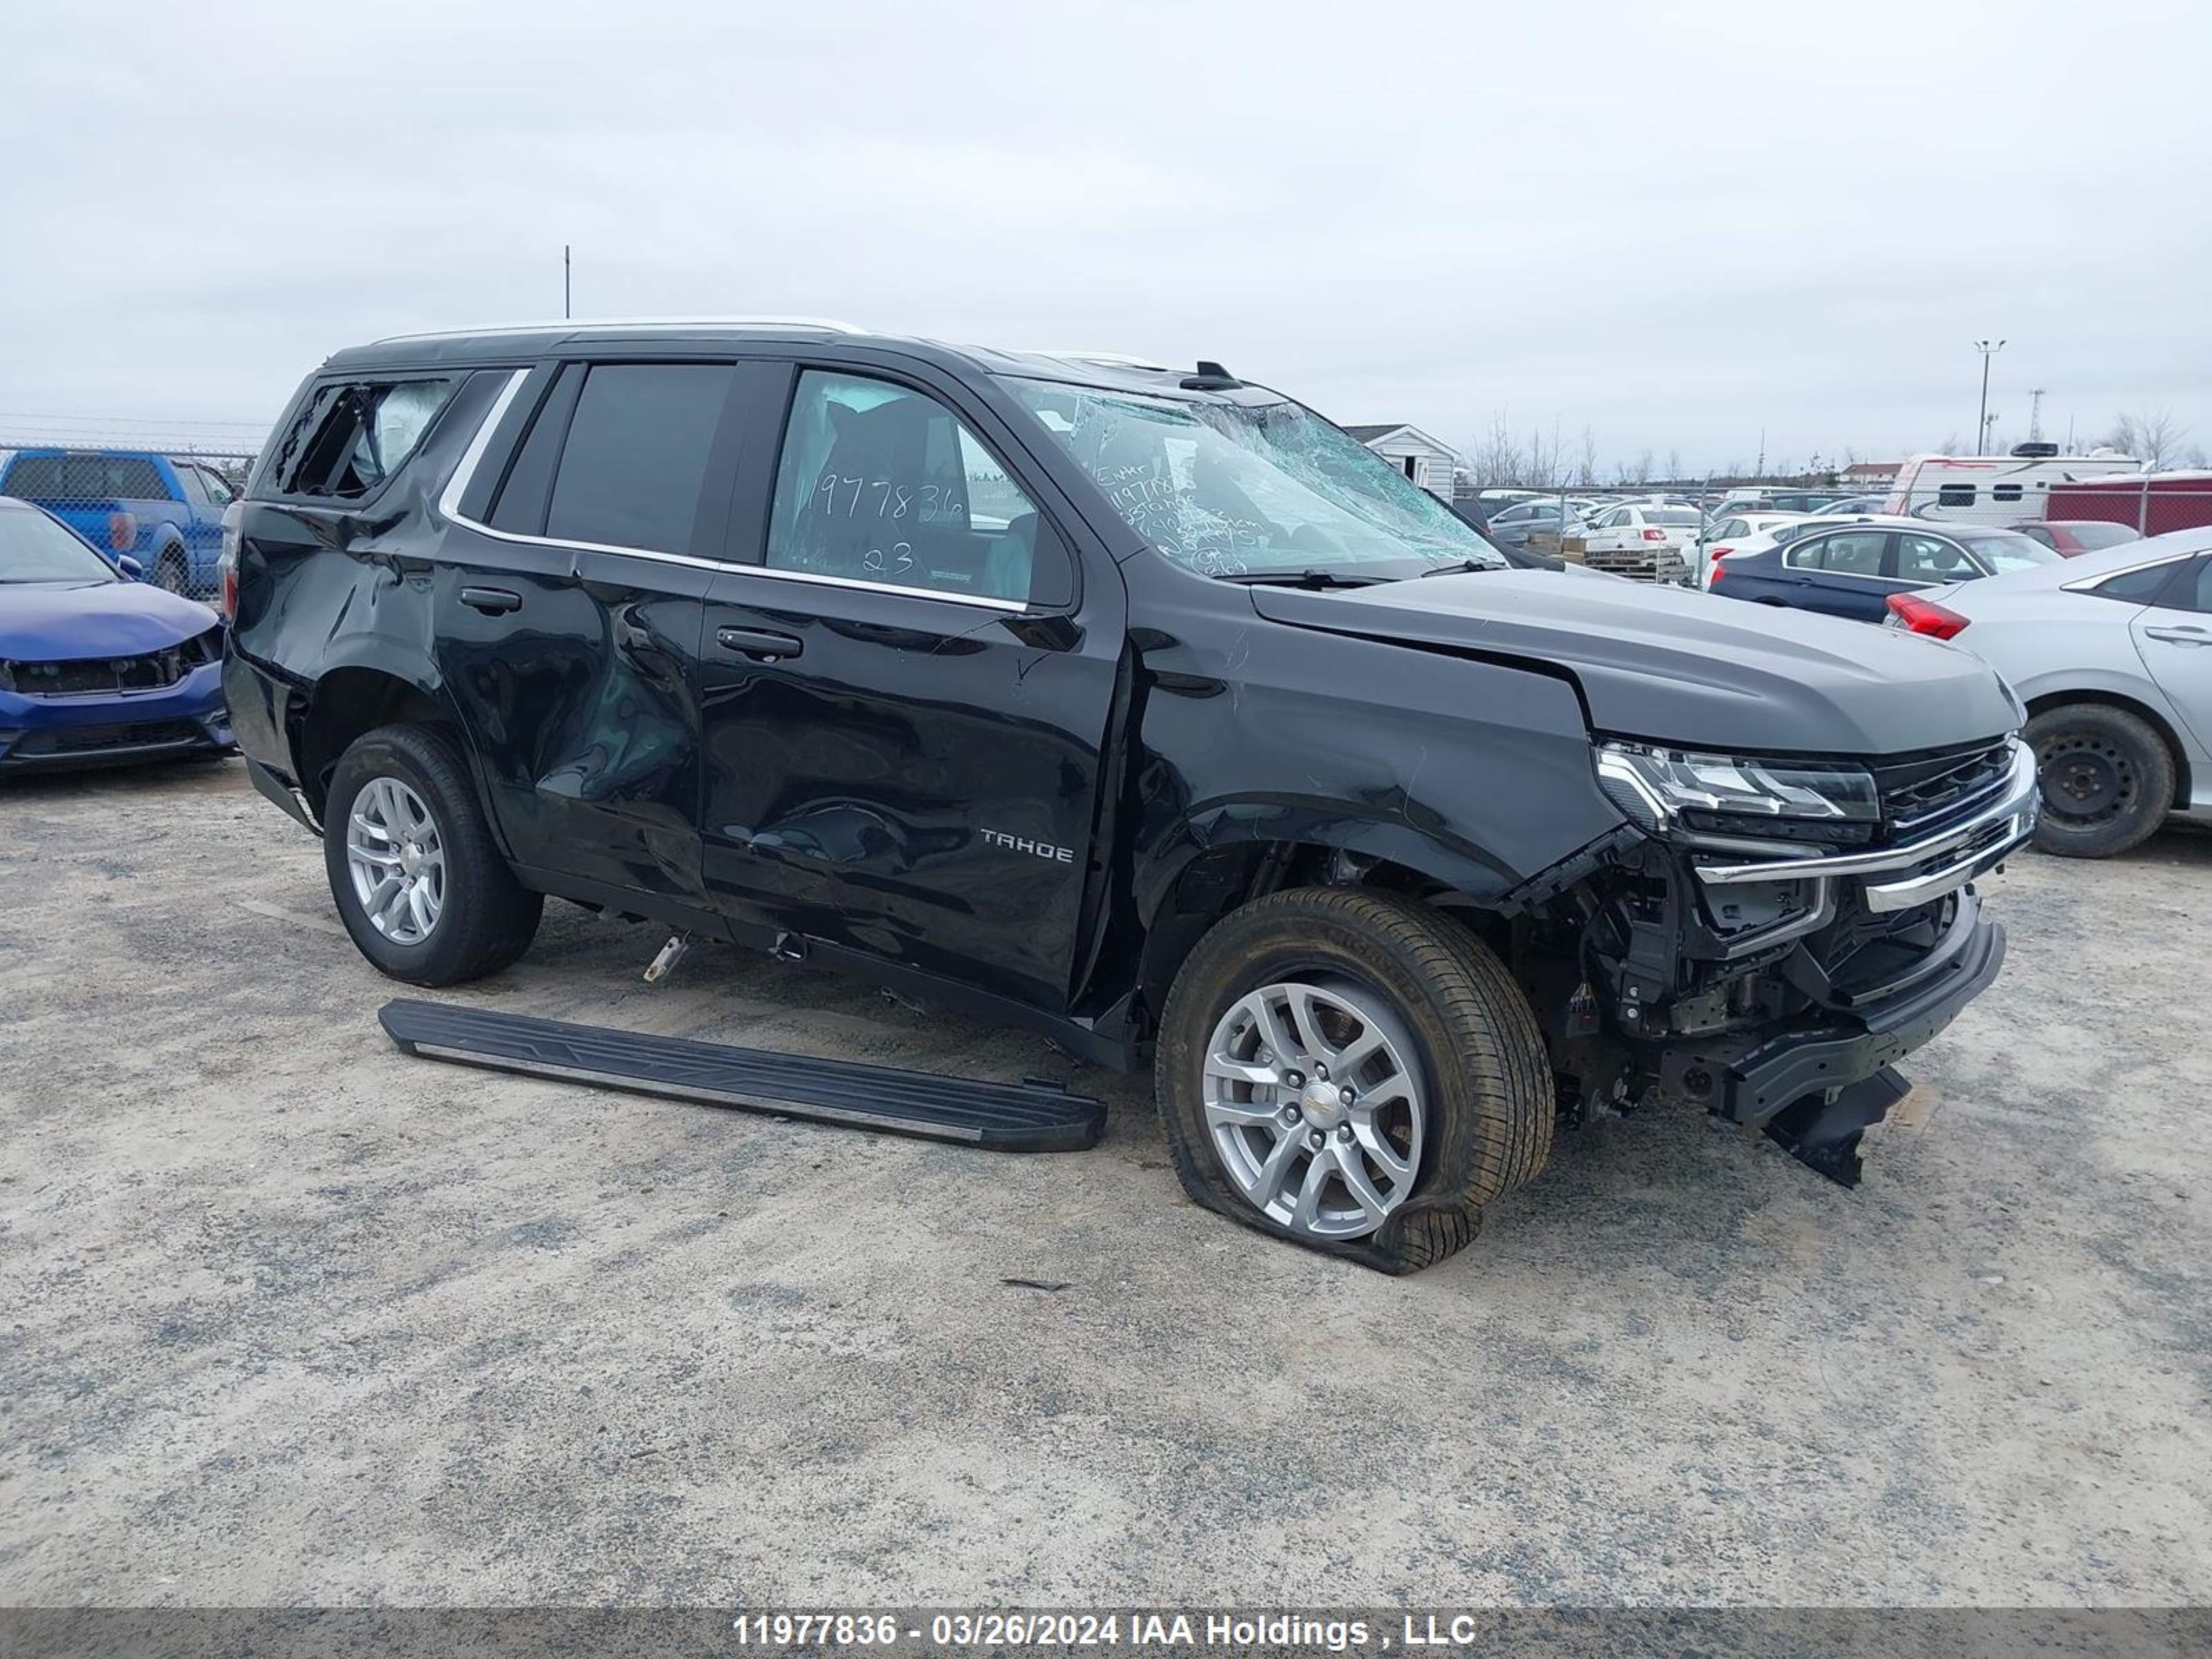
x=1140, y=707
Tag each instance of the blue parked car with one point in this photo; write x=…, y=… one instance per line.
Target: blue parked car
x=96, y=667
x=164, y=513
x=1850, y=568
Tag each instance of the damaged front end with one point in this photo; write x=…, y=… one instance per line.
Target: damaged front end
x=1776, y=933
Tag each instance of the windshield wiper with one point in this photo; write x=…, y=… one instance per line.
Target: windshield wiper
x=1302, y=578
x=1458, y=567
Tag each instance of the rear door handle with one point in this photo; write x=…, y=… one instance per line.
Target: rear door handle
x=492, y=601
x=761, y=644
x=2179, y=635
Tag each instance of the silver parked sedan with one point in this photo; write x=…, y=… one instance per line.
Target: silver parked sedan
x=2111, y=651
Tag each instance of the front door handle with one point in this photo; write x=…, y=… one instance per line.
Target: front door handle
x=2179, y=635
x=761, y=644
x=492, y=601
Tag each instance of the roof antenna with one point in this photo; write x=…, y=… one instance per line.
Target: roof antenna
x=1211, y=377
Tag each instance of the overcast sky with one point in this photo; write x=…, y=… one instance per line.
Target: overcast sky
x=1677, y=224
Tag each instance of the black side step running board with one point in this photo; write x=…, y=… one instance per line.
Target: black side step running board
x=1033, y=1116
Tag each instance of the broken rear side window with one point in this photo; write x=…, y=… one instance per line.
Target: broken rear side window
x=353, y=437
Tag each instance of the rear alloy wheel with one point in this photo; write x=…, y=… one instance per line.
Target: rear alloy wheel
x=419, y=882
x=396, y=858
x=1353, y=1071
x=2106, y=779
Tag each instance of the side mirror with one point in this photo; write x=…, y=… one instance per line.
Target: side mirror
x=132, y=570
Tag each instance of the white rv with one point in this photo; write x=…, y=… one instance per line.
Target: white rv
x=1995, y=489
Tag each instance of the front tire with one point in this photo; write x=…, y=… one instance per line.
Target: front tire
x=417, y=880
x=172, y=575
x=1353, y=1072
x=2106, y=779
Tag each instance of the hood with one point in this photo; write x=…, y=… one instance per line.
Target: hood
x=1682, y=667
x=58, y=622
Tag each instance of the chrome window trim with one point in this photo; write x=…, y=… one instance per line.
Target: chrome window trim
x=449, y=498
x=449, y=509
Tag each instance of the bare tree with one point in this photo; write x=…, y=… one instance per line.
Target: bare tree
x=2155, y=440
x=1545, y=466
x=1586, y=468
x=1643, y=466
x=1496, y=459
x=1673, y=466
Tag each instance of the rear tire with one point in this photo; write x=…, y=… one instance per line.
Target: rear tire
x=2106, y=779
x=171, y=574
x=1452, y=1021
x=403, y=815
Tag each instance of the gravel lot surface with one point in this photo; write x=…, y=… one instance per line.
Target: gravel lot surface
x=290, y=1318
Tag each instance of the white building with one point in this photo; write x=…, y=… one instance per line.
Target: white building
x=1413, y=452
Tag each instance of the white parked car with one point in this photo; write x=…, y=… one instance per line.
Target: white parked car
x=1648, y=541
x=2111, y=651
x=1724, y=535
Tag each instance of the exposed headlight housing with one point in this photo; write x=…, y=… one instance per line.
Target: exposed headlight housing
x=1677, y=792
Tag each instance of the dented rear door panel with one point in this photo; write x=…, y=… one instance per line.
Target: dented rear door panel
x=581, y=698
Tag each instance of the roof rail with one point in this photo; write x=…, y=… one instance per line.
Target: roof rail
x=1119, y=359
x=589, y=324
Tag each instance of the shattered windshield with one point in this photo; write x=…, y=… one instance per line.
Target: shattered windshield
x=1232, y=490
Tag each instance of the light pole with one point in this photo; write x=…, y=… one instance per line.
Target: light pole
x=1982, y=414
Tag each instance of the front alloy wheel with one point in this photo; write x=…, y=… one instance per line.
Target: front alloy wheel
x=1314, y=1106
x=1351, y=1070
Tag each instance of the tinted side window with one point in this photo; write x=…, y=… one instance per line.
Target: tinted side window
x=134, y=478
x=195, y=483
x=1930, y=559
x=1955, y=496
x=881, y=484
x=1856, y=554
x=35, y=476
x=2038, y=533
x=520, y=506
x=2193, y=592
x=97, y=478
x=634, y=467
x=2140, y=586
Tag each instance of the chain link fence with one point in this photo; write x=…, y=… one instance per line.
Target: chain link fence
x=1663, y=533
x=149, y=493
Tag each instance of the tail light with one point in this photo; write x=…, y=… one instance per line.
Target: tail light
x=1925, y=616
x=1714, y=572
x=226, y=564
x=1655, y=535
x=121, y=532
x=1720, y=552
